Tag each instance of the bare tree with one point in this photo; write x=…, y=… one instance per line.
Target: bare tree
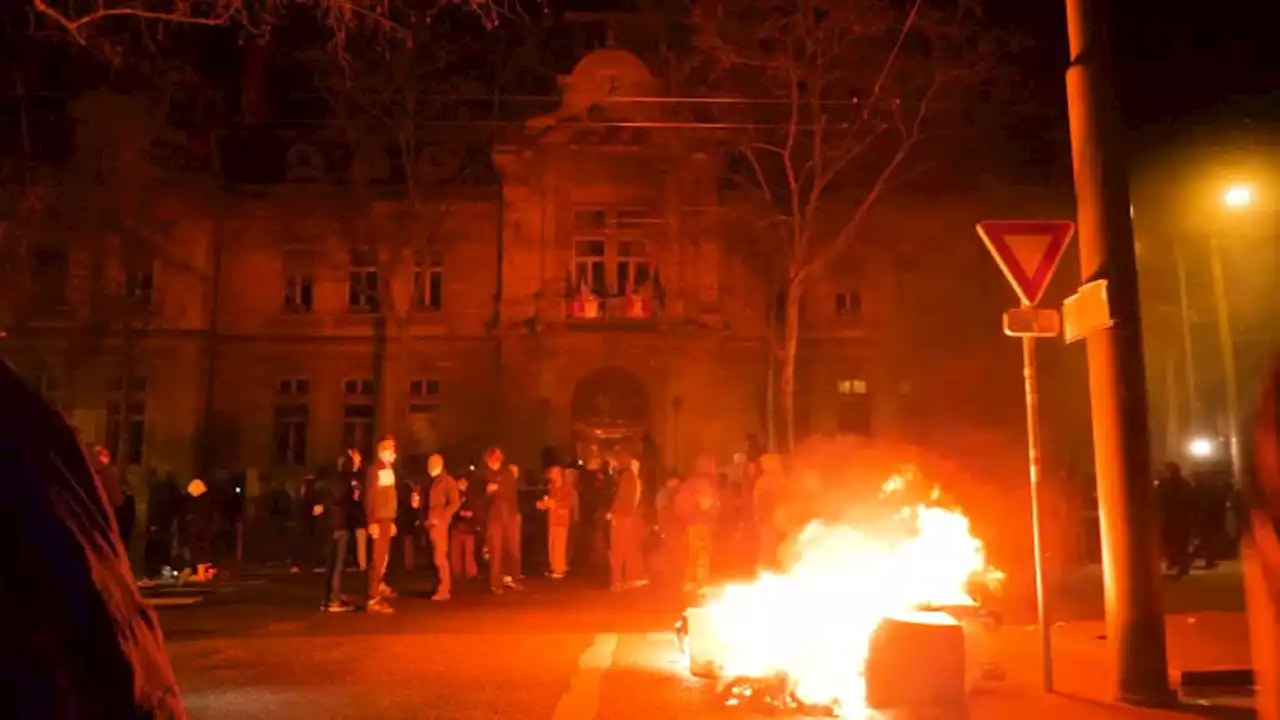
x=843, y=92
x=80, y=19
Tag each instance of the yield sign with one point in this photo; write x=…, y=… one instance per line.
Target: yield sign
x=1028, y=251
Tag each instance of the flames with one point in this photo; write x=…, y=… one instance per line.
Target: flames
x=813, y=621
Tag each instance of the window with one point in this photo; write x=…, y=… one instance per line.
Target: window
x=358, y=386
x=851, y=387
x=294, y=387
x=424, y=388
x=634, y=270
x=137, y=384
x=590, y=219
x=848, y=304
x=290, y=432
x=362, y=281
x=357, y=427
x=589, y=266
x=428, y=281
x=126, y=430
x=139, y=285
x=634, y=218
x=298, y=266
x=51, y=277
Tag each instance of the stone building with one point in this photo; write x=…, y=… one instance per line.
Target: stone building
x=603, y=288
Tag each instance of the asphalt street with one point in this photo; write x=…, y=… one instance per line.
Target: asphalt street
x=259, y=648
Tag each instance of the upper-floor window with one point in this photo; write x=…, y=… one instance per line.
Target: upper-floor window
x=611, y=251
x=590, y=266
x=294, y=387
x=428, y=280
x=851, y=387
x=298, y=283
x=848, y=304
x=139, y=284
x=358, y=386
x=424, y=388
x=634, y=270
x=362, y=281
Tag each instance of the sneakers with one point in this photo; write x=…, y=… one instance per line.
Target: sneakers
x=336, y=606
x=496, y=590
x=556, y=576
x=379, y=607
x=512, y=583
x=385, y=592
x=440, y=597
x=637, y=584
x=617, y=587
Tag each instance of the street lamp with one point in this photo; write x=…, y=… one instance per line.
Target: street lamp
x=1200, y=448
x=1238, y=196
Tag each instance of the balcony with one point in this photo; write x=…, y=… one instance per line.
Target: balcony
x=635, y=311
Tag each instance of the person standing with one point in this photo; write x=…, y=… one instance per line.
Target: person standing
x=699, y=503
x=381, y=504
x=626, y=531
x=462, y=536
x=1177, y=509
x=502, y=522
x=443, y=502
x=355, y=506
x=334, y=498
x=766, y=495
x=561, y=504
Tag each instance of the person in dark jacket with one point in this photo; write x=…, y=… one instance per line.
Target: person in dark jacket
x=626, y=563
x=333, y=497
x=444, y=499
x=381, y=507
x=79, y=642
x=163, y=508
x=355, y=507
x=502, y=521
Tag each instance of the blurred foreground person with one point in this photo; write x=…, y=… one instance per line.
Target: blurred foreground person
x=443, y=501
x=78, y=641
x=381, y=506
x=764, y=506
x=671, y=528
x=333, y=502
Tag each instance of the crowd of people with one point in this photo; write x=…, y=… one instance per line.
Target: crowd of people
x=1197, y=517
x=604, y=516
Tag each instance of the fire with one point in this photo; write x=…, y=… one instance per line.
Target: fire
x=813, y=622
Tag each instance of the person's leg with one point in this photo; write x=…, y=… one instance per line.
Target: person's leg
x=440, y=554
x=511, y=544
x=362, y=548
x=378, y=563
x=617, y=551
x=493, y=541
x=635, y=572
x=455, y=551
x=333, y=567
x=469, y=554
x=558, y=548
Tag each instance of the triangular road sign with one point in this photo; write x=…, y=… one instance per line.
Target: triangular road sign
x=1028, y=252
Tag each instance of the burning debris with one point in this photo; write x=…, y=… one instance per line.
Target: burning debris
x=772, y=695
x=854, y=599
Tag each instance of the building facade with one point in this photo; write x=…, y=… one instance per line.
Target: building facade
x=602, y=289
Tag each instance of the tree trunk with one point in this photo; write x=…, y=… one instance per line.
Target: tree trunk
x=787, y=376
x=771, y=374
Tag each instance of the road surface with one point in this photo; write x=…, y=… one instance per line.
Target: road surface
x=259, y=649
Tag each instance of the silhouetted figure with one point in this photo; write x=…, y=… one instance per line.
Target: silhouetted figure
x=1178, y=511
x=78, y=641
x=1213, y=493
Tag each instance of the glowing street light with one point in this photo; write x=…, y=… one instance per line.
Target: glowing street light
x=1238, y=196
x=1200, y=448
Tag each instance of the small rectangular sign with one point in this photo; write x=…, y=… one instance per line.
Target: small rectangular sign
x=1032, y=322
x=1087, y=311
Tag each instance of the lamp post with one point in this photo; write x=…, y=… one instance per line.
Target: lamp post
x=1236, y=198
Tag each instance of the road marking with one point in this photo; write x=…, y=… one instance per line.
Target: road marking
x=582, y=700
x=173, y=601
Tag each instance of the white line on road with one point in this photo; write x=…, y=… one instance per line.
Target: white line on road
x=582, y=700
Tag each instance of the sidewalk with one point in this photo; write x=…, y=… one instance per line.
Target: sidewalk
x=1083, y=670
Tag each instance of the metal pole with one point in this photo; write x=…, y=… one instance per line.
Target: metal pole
x=1188, y=348
x=1228, y=359
x=1117, y=375
x=1031, y=384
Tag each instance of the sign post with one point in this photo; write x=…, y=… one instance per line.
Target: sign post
x=1028, y=252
